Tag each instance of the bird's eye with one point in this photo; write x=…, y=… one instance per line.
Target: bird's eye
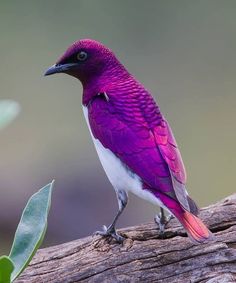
x=81, y=56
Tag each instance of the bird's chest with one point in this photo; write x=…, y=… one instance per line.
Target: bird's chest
x=118, y=174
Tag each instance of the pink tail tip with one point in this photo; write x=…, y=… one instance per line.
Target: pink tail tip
x=195, y=228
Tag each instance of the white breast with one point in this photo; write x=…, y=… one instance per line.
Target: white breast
x=118, y=174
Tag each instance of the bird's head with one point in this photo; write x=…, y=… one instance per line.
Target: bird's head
x=85, y=59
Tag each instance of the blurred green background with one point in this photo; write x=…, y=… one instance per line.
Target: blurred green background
x=182, y=51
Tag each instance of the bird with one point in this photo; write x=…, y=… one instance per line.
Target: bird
x=133, y=139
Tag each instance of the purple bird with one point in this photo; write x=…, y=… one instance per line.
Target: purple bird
x=133, y=140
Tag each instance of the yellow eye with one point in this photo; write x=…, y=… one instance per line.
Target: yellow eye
x=81, y=56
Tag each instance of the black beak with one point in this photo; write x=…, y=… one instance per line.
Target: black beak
x=57, y=68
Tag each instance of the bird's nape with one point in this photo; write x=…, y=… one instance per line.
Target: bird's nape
x=134, y=141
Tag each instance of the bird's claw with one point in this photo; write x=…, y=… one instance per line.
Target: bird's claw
x=110, y=232
x=162, y=221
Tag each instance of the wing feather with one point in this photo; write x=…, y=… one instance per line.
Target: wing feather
x=144, y=142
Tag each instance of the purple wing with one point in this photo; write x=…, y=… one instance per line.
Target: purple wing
x=168, y=147
x=135, y=131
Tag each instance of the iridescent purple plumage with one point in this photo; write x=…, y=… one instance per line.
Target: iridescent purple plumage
x=126, y=120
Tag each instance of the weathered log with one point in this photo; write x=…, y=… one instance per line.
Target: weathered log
x=145, y=256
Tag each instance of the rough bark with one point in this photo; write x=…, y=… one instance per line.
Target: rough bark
x=144, y=256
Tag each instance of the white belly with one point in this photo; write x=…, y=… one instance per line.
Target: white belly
x=118, y=174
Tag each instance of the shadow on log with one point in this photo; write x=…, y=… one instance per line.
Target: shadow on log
x=144, y=256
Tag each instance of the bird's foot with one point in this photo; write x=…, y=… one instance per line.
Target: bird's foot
x=110, y=232
x=162, y=220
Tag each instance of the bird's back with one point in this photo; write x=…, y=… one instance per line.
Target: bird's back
x=131, y=125
x=127, y=124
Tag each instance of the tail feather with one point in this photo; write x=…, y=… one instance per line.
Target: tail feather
x=195, y=228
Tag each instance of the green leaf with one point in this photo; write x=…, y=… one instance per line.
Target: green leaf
x=6, y=268
x=31, y=229
x=9, y=109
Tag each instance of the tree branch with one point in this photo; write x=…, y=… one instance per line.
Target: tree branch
x=144, y=256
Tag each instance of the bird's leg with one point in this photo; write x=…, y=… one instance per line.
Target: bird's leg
x=162, y=220
x=111, y=230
